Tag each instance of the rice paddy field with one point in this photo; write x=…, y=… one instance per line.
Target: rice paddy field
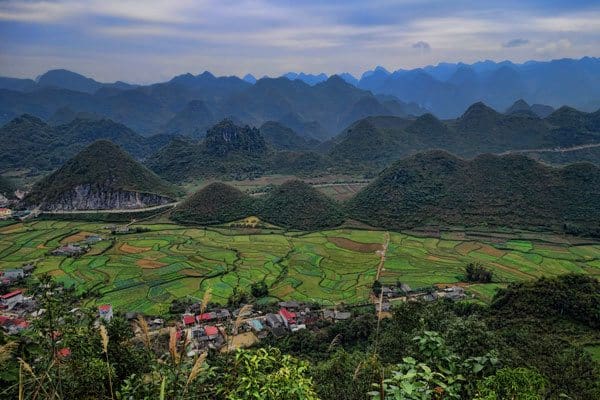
x=145, y=271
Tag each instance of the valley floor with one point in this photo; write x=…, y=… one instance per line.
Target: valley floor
x=145, y=271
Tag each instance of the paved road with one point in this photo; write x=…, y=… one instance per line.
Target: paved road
x=114, y=211
x=553, y=150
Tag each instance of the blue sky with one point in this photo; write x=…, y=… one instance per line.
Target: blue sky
x=147, y=40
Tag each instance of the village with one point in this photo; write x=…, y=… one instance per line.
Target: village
x=219, y=329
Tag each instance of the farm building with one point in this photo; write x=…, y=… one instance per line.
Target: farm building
x=211, y=331
x=209, y=316
x=13, y=274
x=69, y=250
x=5, y=213
x=274, y=320
x=256, y=325
x=9, y=300
x=106, y=312
x=336, y=315
x=189, y=320
x=289, y=318
x=292, y=305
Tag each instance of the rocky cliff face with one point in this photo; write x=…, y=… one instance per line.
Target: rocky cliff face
x=93, y=197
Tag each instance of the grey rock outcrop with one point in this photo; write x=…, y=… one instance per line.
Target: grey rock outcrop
x=94, y=197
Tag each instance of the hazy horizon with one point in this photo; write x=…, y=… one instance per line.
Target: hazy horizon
x=119, y=40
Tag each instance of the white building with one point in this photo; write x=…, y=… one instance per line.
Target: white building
x=9, y=300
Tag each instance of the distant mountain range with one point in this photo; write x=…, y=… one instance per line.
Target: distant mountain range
x=314, y=105
x=189, y=105
x=231, y=149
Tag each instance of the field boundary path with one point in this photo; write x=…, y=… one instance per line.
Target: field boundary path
x=552, y=150
x=382, y=254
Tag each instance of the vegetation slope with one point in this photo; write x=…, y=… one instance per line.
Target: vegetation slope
x=297, y=205
x=30, y=143
x=439, y=188
x=215, y=203
x=374, y=142
x=102, y=165
x=233, y=151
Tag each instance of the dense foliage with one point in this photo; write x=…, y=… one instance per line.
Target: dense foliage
x=215, y=203
x=233, y=151
x=294, y=204
x=7, y=188
x=374, y=142
x=283, y=138
x=438, y=188
x=298, y=205
x=475, y=272
x=29, y=143
x=439, y=350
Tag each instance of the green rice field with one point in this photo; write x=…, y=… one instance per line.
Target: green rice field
x=146, y=271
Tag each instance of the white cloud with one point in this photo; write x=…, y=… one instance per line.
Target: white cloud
x=553, y=47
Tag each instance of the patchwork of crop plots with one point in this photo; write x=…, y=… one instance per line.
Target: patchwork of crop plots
x=146, y=271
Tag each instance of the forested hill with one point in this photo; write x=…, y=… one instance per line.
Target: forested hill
x=380, y=140
x=215, y=203
x=32, y=144
x=439, y=188
x=7, y=188
x=102, y=176
x=232, y=151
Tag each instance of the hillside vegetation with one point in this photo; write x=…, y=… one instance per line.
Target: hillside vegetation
x=30, y=143
x=233, y=151
x=297, y=205
x=294, y=204
x=102, y=173
x=439, y=188
x=376, y=141
x=7, y=188
x=213, y=204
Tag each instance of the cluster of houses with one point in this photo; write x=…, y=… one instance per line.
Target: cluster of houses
x=211, y=329
x=77, y=249
x=14, y=310
x=403, y=292
x=7, y=213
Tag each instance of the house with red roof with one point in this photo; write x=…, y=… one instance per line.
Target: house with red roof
x=105, y=311
x=209, y=316
x=289, y=318
x=189, y=320
x=9, y=300
x=211, y=331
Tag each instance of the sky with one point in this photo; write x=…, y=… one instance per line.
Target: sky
x=143, y=41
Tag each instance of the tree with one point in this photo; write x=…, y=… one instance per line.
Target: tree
x=475, y=272
x=377, y=288
x=439, y=374
x=259, y=289
x=238, y=297
x=265, y=374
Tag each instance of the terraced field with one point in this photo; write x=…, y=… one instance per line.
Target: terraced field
x=146, y=271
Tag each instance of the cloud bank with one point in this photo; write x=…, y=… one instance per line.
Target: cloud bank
x=153, y=40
